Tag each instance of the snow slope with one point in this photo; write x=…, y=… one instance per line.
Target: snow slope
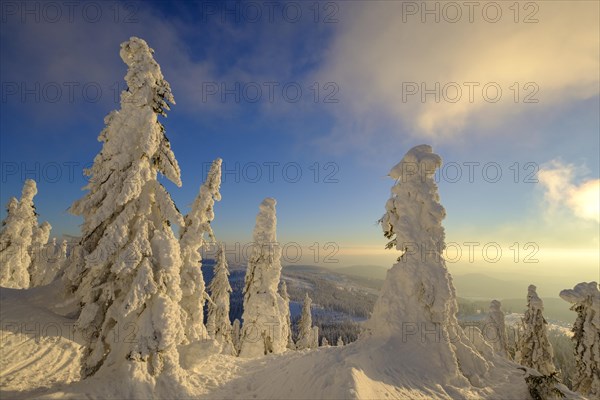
x=45, y=363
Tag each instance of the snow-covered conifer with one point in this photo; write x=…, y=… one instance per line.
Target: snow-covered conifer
x=324, y=342
x=534, y=347
x=315, y=337
x=585, y=300
x=197, y=224
x=19, y=230
x=287, y=315
x=130, y=277
x=340, y=341
x=236, y=335
x=494, y=330
x=305, y=332
x=41, y=254
x=263, y=316
x=49, y=262
x=417, y=305
x=218, y=308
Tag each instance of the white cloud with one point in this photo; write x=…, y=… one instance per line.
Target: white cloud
x=561, y=190
x=379, y=50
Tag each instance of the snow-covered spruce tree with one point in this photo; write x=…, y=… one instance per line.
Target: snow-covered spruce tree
x=41, y=254
x=197, y=224
x=19, y=230
x=218, y=308
x=416, y=309
x=236, y=335
x=264, y=322
x=315, y=337
x=14, y=241
x=58, y=261
x=585, y=298
x=49, y=264
x=287, y=315
x=324, y=342
x=305, y=332
x=340, y=341
x=534, y=348
x=130, y=280
x=494, y=330
x=117, y=176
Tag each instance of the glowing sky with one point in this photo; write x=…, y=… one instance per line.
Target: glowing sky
x=313, y=103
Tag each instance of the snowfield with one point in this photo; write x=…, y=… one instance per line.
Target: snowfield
x=38, y=360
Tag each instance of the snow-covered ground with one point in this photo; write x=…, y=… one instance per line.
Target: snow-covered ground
x=40, y=358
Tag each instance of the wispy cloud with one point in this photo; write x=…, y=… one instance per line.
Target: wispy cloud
x=559, y=181
x=390, y=65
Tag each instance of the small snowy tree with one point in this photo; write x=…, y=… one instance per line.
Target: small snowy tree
x=20, y=232
x=534, y=346
x=305, y=332
x=340, y=341
x=287, y=315
x=49, y=262
x=495, y=330
x=585, y=300
x=41, y=254
x=264, y=315
x=130, y=277
x=324, y=342
x=315, y=337
x=218, y=308
x=236, y=335
x=197, y=223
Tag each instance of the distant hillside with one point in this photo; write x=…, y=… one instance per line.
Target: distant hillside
x=343, y=297
x=365, y=271
x=485, y=287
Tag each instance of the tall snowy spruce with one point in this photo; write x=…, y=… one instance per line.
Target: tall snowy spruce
x=287, y=314
x=218, y=308
x=197, y=224
x=21, y=239
x=305, y=332
x=130, y=277
x=494, y=329
x=416, y=309
x=264, y=328
x=585, y=300
x=534, y=347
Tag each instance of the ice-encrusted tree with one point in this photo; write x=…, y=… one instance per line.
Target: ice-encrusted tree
x=494, y=329
x=340, y=341
x=19, y=238
x=287, y=315
x=130, y=277
x=534, y=347
x=236, y=334
x=417, y=307
x=315, y=337
x=49, y=265
x=41, y=254
x=264, y=323
x=218, y=308
x=134, y=149
x=197, y=224
x=585, y=300
x=305, y=332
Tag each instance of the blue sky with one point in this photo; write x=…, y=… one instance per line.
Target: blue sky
x=353, y=62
